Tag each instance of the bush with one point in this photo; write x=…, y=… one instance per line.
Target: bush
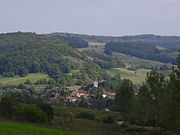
x=8, y=74
x=28, y=82
x=33, y=113
x=42, y=81
x=86, y=115
x=8, y=105
x=47, y=108
x=109, y=119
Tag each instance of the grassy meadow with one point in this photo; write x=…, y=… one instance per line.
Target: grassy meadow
x=137, y=76
x=10, y=128
x=17, y=80
x=137, y=62
x=96, y=46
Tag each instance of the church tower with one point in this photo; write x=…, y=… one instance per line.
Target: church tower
x=95, y=82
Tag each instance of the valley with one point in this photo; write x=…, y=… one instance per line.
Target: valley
x=111, y=85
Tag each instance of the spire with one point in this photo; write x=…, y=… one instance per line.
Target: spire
x=95, y=82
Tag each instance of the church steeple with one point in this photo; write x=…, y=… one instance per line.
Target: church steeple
x=95, y=82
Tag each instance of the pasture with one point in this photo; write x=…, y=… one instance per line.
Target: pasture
x=17, y=80
x=137, y=76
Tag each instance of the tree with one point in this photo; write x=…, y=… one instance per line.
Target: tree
x=156, y=83
x=124, y=98
x=28, y=82
x=23, y=72
x=47, y=108
x=8, y=106
x=33, y=113
x=171, y=108
x=142, y=108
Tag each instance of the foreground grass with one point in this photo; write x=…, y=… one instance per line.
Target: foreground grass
x=17, y=80
x=9, y=128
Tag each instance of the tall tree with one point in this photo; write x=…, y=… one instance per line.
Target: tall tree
x=156, y=82
x=124, y=98
x=143, y=105
x=171, y=117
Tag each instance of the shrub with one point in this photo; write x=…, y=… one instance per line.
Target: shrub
x=47, y=108
x=109, y=119
x=85, y=115
x=28, y=82
x=8, y=105
x=33, y=113
x=8, y=74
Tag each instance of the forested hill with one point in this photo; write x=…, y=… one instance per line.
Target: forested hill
x=72, y=41
x=163, y=41
x=141, y=50
x=22, y=53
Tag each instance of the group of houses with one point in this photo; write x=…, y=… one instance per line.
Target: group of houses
x=76, y=95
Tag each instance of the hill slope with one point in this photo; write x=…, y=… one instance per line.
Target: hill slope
x=22, y=53
x=163, y=41
x=141, y=50
x=72, y=41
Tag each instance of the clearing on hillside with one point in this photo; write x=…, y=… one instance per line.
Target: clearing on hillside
x=137, y=76
x=17, y=80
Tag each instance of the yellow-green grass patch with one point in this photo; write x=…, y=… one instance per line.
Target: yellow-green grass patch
x=17, y=79
x=136, y=76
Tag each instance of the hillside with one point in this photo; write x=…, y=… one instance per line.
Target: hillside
x=149, y=47
x=141, y=50
x=72, y=41
x=62, y=53
x=23, y=53
x=163, y=41
x=9, y=128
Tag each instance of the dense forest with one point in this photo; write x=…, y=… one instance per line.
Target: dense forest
x=105, y=61
x=140, y=50
x=23, y=53
x=72, y=41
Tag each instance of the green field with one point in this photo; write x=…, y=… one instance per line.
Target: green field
x=137, y=62
x=9, y=128
x=94, y=46
x=137, y=76
x=17, y=80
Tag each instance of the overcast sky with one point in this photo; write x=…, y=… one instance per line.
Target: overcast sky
x=101, y=17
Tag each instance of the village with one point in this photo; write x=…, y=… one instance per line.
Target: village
x=75, y=95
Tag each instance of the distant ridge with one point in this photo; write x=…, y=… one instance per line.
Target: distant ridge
x=163, y=41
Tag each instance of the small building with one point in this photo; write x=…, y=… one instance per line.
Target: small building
x=96, y=84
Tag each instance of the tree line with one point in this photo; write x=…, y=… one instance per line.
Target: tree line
x=156, y=103
x=31, y=110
